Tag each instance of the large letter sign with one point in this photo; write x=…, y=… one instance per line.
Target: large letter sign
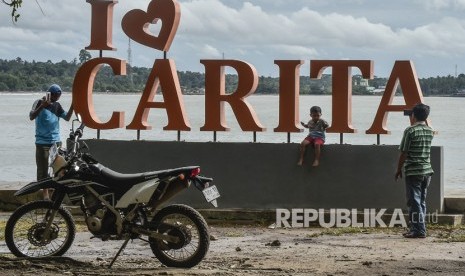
x=82, y=92
x=342, y=88
x=101, y=25
x=163, y=73
x=135, y=25
x=215, y=95
x=405, y=74
x=289, y=81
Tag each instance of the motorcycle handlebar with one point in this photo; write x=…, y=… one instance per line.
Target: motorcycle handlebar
x=75, y=136
x=79, y=131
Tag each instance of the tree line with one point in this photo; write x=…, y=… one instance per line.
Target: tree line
x=20, y=75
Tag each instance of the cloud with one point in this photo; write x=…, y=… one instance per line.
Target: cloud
x=12, y=34
x=256, y=31
x=443, y=38
x=209, y=51
x=338, y=30
x=300, y=52
x=442, y=4
x=309, y=30
x=250, y=25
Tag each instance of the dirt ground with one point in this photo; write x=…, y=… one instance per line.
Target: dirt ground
x=257, y=250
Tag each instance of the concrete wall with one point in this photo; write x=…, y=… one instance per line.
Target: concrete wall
x=265, y=176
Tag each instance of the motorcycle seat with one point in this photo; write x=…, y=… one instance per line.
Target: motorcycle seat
x=112, y=178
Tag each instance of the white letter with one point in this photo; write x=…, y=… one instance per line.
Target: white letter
x=321, y=218
x=343, y=215
x=297, y=215
x=366, y=217
x=308, y=218
x=280, y=219
x=355, y=222
x=376, y=217
x=434, y=217
x=400, y=220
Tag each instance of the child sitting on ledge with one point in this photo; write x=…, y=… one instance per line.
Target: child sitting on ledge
x=317, y=129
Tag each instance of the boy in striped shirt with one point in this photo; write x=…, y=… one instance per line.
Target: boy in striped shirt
x=415, y=150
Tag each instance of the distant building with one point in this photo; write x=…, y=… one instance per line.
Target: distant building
x=358, y=80
x=370, y=89
x=459, y=93
x=378, y=91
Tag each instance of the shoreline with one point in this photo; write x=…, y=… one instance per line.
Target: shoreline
x=203, y=94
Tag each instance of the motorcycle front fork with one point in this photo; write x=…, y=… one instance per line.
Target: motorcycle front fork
x=57, y=200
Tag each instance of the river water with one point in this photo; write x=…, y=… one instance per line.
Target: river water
x=17, y=163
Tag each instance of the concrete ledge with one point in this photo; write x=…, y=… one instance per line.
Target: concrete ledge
x=266, y=175
x=454, y=205
x=9, y=202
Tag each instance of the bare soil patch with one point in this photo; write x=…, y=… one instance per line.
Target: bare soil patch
x=257, y=250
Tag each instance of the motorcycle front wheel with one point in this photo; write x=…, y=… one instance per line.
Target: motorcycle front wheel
x=189, y=227
x=25, y=231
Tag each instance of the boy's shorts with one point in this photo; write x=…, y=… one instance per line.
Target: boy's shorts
x=315, y=141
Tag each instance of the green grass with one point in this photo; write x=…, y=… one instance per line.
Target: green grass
x=447, y=233
x=350, y=230
x=2, y=230
x=442, y=233
x=80, y=227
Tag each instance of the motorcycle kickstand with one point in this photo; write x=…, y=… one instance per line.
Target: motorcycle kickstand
x=119, y=252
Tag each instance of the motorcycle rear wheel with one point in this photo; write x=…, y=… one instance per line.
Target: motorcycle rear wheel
x=25, y=228
x=190, y=227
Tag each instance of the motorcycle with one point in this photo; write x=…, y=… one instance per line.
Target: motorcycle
x=115, y=206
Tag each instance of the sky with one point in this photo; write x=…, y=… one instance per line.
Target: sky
x=431, y=33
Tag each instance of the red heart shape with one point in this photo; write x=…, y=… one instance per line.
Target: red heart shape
x=136, y=23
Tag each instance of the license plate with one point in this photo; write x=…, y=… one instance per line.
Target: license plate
x=211, y=193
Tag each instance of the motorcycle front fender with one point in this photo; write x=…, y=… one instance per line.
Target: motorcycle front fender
x=47, y=183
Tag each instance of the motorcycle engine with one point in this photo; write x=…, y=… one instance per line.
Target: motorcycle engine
x=99, y=221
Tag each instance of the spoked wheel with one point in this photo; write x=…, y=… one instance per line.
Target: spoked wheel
x=190, y=230
x=27, y=234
